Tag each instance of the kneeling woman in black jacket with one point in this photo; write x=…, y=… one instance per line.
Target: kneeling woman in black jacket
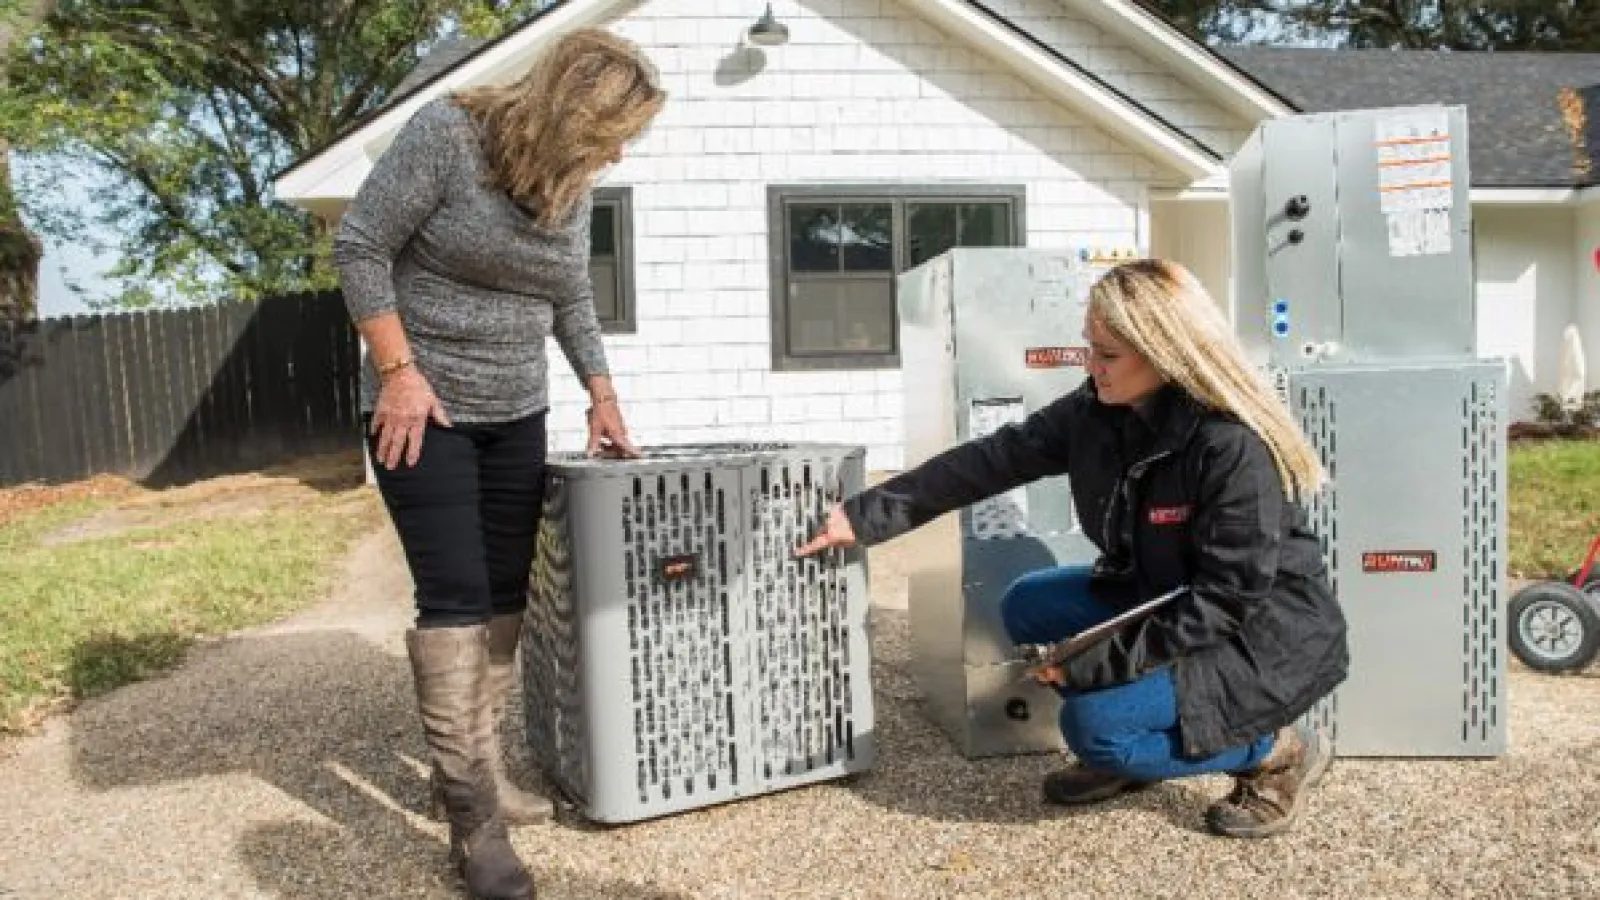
x=1185, y=470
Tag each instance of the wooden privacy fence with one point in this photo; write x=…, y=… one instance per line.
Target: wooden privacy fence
x=172, y=395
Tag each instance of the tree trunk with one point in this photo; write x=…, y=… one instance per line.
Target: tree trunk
x=20, y=249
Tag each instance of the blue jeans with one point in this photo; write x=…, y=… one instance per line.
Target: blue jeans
x=1129, y=729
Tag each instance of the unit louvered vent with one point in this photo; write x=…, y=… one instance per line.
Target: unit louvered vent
x=801, y=635
x=1319, y=419
x=1481, y=553
x=550, y=649
x=675, y=559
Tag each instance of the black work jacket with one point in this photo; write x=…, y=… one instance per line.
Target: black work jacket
x=1176, y=494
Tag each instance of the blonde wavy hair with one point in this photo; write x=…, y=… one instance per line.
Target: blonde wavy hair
x=1163, y=312
x=547, y=134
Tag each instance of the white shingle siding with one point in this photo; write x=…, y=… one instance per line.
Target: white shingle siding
x=1184, y=106
x=863, y=92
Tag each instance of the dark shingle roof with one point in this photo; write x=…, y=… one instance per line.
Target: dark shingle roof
x=437, y=61
x=1519, y=135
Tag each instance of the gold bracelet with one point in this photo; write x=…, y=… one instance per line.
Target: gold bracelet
x=388, y=369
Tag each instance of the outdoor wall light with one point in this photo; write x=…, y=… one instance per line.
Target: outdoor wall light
x=768, y=31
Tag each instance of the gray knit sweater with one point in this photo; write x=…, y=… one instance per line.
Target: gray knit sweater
x=478, y=284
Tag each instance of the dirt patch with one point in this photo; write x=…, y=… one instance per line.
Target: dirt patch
x=229, y=496
x=223, y=495
x=19, y=501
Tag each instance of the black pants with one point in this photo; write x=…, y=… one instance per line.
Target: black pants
x=466, y=515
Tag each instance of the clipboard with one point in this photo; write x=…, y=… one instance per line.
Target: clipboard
x=1040, y=655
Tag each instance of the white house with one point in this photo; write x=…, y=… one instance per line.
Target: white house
x=745, y=249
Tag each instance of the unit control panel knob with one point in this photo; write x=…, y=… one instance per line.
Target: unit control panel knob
x=1298, y=207
x=1319, y=350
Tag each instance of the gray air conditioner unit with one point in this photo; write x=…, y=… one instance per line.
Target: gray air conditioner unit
x=675, y=652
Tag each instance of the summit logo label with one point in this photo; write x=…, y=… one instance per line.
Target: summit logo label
x=1399, y=561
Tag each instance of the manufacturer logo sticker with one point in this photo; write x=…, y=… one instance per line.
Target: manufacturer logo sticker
x=1169, y=515
x=1055, y=357
x=1400, y=561
x=678, y=568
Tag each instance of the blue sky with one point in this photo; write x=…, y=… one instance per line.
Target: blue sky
x=78, y=261
x=82, y=265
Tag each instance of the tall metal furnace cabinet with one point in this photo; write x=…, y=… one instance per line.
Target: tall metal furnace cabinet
x=1352, y=237
x=676, y=654
x=987, y=337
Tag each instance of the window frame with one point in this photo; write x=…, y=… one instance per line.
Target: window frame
x=620, y=197
x=898, y=196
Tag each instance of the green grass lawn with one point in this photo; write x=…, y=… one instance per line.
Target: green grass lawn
x=1554, y=506
x=83, y=615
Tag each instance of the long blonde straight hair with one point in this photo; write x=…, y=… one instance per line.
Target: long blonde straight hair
x=1161, y=310
x=547, y=134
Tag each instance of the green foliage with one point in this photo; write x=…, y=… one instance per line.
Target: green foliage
x=193, y=105
x=1408, y=24
x=1226, y=22
x=1432, y=24
x=1556, y=418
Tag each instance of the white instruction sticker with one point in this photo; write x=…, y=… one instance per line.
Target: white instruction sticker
x=1419, y=232
x=1004, y=515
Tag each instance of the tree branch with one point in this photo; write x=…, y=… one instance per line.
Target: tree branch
x=235, y=149
x=173, y=214
x=281, y=112
x=398, y=47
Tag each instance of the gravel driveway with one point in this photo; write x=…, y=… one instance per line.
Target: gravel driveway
x=286, y=762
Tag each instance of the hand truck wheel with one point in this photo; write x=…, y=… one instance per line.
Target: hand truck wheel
x=1555, y=627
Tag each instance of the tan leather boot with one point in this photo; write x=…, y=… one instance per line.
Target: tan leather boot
x=519, y=807
x=449, y=665
x=1270, y=799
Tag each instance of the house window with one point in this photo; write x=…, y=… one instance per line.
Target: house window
x=836, y=252
x=611, y=258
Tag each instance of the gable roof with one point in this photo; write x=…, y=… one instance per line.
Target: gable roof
x=1533, y=115
x=1011, y=44
x=1518, y=104
x=1130, y=15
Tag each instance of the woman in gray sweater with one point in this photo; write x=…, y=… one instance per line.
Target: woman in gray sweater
x=466, y=247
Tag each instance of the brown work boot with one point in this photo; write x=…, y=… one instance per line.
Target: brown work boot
x=448, y=665
x=1270, y=799
x=517, y=806
x=1079, y=784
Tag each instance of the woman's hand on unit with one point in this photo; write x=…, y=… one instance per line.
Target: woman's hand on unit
x=835, y=532
x=608, y=434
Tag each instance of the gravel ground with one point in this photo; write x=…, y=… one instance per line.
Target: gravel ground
x=286, y=762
